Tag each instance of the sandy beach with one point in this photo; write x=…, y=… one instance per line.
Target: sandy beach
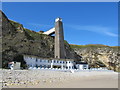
x=58, y=79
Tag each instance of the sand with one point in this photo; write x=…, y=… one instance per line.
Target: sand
x=58, y=79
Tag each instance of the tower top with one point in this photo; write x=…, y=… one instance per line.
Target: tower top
x=58, y=19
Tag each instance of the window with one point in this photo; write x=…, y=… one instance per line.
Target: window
x=40, y=66
x=84, y=66
x=50, y=61
x=69, y=66
x=36, y=66
x=44, y=66
x=57, y=61
x=36, y=60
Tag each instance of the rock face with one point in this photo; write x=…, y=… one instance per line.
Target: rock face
x=16, y=41
x=99, y=55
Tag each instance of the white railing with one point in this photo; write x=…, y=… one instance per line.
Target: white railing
x=75, y=70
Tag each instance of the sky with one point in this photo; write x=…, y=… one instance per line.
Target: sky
x=83, y=22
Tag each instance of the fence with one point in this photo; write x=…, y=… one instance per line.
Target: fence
x=73, y=70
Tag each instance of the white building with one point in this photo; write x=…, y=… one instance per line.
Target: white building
x=14, y=65
x=34, y=61
x=82, y=65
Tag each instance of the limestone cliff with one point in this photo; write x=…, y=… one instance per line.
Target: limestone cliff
x=16, y=41
x=99, y=55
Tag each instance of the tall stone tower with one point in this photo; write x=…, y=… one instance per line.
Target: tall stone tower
x=59, y=40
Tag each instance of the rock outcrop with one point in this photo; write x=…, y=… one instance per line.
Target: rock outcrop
x=99, y=55
x=17, y=41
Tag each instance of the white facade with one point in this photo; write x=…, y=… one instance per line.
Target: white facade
x=82, y=66
x=33, y=61
x=14, y=65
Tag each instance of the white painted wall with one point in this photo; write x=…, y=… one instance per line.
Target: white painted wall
x=17, y=65
x=14, y=65
x=33, y=62
x=70, y=64
x=82, y=66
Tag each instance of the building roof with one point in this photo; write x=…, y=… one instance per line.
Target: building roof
x=81, y=62
x=49, y=58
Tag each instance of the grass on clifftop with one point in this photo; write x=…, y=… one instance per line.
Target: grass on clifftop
x=91, y=45
x=35, y=35
x=15, y=24
x=32, y=35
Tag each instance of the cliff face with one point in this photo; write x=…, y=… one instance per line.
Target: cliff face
x=17, y=41
x=99, y=55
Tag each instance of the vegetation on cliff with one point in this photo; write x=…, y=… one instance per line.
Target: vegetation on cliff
x=91, y=46
x=98, y=55
x=17, y=41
